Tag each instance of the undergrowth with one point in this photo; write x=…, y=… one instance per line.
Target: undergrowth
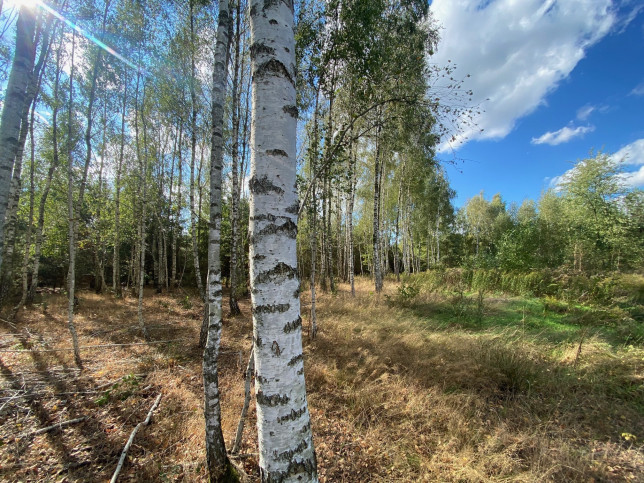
x=465, y=386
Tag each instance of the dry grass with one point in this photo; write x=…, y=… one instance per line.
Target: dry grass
x=392, y=398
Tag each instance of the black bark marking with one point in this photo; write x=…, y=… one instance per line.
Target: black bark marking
x=259, y=342
x=280, y=271
x=263, y=186
x=291, y=110
x=294, y=209
x=293, y=326
x=277, y=152
x=275, y=347
x=269, y=217
x=258, y=49
x=295, y=467
x=292, y=416
x=271, y=309
x=274, y=67
x=272, y=21
x=272, y=400
x=295, y=360
x=288, y=229
x=288, y=454
x=270, y=3
x=260, y=378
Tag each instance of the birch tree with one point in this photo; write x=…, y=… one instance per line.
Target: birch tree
x=285, y=440
x=14, y=105
x=215, y=447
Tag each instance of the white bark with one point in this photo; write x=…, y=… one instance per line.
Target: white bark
x=13, y=107
x=286, y=450
x=215, y=447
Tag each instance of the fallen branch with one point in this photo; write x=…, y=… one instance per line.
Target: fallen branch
x=129, y=441
x=9, y=323
x=57, y=425
x=101, y=346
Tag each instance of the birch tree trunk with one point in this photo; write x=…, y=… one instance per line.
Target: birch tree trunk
x=313, y=216
x=286, y=452
x=143, y=162
x=116, y=264
x=30, y=221
x=71, y=273
x=14, y=104
x=377, y=268
x=26, y=127
x=234, y=222
x=177, y=214
x=193, y=155
x=352, y=197
x=217, y=460
x=50, y=173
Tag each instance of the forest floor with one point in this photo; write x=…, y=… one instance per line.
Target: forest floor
x=430, y=387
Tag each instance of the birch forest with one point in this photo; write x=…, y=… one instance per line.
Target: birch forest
x=204, y=204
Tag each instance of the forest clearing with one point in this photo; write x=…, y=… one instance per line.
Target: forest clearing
x=206, y=204
x=401, y=389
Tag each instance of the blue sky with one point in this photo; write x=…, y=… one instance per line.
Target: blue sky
x=555, y=79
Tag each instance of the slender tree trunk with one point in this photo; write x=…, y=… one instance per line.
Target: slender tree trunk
x=377, y=269
x=193, y=155
x=234, y=199
x=116, y=268
x=352, y=196
x=338, y=231
x=30, y=224
x=285, y=440
x=217, y=460
x=438, y=242
x=50, y=173
x=177, y=214
x=398, y=206
x=27, y=126
x=71, y=274
x=313, y=213
x=98, y=248
x=143, y=162
x=14, y=106
x=323, y=234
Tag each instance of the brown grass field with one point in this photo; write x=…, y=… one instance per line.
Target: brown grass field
x=393, y=397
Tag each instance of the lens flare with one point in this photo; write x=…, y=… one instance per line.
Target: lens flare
x=82, y=32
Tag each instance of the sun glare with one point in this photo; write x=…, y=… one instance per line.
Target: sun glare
x=22, y=3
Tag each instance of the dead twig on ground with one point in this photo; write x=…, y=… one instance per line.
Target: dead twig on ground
x=129, y=441
x=56, y=426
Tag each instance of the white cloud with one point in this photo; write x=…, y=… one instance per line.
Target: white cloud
x=584, y=112
x=630, y=155
x=639, y=90
x=563, y=135
x=516, y=52
x=634, y=179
